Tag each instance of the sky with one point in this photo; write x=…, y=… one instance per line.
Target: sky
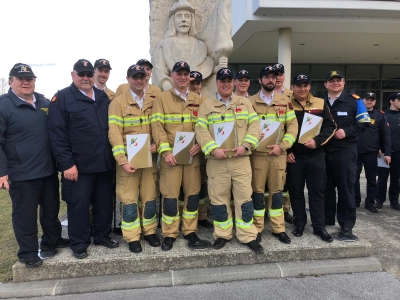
x=51, y=36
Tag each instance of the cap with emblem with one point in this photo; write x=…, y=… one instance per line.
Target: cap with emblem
x=394, y=96
x=196, y=76
x=334, y=74
x=102, y=63
x=301, y=78
x=21, y=70
x=370, y=95
x=266, y=70
x=224, y=73
x=135, y=69
x=83, y=65
x=279, y=68
x=144, y=61
x=242, y=73
x=180, y=65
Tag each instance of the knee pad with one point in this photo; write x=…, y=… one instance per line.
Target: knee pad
x=220, y=213
x=258, y=201
x=193, y=203
x=203, y=190
x=129, y=213
x=277, y=200
x=149, y=209
x=170, y=207
x=247, y=211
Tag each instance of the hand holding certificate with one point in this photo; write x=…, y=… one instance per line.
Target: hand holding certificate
x=310, y=128
x=225, y=137
x=272, y=135
x=138, y=150
x=183, y=143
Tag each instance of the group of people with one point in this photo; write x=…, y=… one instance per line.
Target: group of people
x=82, y=133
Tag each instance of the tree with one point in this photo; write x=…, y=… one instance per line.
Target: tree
x=3, y=86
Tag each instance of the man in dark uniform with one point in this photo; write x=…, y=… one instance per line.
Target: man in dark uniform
x=352, y=119
x=78, y=131
x=393, y=118
x=306, y=160
x=27, y=167
x=375, y=140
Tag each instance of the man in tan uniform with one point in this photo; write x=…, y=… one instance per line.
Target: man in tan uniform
x=242, y=83
x=130, y=113
x=102, y=69
x=271, y=166
x=233, y=173
x=176, y=110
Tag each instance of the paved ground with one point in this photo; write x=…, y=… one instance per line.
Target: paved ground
x=363, y=286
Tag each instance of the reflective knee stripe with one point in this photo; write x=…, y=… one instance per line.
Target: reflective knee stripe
x=273, y=213
x=285, y=194
x=259, y=213
x=181, y=203
x=169, y=220
x=202, y=201
x=266, y=195
x=242, y=224
x=224, y=225
x=149, y=221
x=189, y=214
x=130, y=225
x=232, y=202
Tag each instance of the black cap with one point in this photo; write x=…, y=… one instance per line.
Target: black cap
x=394, y=96
x=334, y=74
x=242, y=73
x=135, y=69
x=180, y=65
x=301, y=78
x=21, y=70
x=83, y=65
x=144, y=61
x=370, y=95
x=196, y=76
x=266, y=70
x=102, y=63
x=279, y=68
x=224, y=73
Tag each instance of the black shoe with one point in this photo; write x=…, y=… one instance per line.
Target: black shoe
x=371, y=208
x=258, y=238
x=255, y=246
x=378, y=205
x=283, y=237
x=346, y=235
x=167, y=243
x=45, y=254
x=395, y=206
x=298, y=231
x=108, y=242
x=288, y=217
x=153, y=240
x=195, y=242
x=206, y=224
x=31, y=261
x=220, y=243
x=80, y=253
x=63, y=243
x=135, y=247
x=324, y=235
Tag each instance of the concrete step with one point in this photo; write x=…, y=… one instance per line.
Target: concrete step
x=103, y=261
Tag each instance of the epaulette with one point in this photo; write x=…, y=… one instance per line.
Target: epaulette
x=355, y=96
x=382, y=112
x=54, y=99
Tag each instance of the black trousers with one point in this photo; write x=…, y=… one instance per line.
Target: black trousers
x=25, y=197
x=312, y=172
x=91, y=188
x=341, y=170
x=383, y=175
x=369, y=160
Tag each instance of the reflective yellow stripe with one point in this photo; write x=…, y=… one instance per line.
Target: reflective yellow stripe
x=136, y=121
x=113, y=119
x=252, y=117
x=178, y=118
x=210, y=146
x=289, y=138
x=130, y=225
x=157, y=118
x=149, y=221
x=164, y=147
x=224, y=225
x=259, y=213
x=290, y=115
x=216, y=119
x=266, y=195
x=169, y=220
x=243, y=115
x=182, y=203
x=285, y=194
x=118, y=149
x=242, y=224
x=269, y=117
x=202, y=122
x=273, y=213
x=251, y=140
x=189, y=214
x=202, y=201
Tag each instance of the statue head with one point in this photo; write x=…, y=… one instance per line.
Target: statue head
x=181, y=19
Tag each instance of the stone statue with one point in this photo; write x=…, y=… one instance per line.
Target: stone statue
x=206, y=52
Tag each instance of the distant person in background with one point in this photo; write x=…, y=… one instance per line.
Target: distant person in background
x=102, y=69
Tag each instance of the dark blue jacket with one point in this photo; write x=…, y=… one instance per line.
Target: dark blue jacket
x=78, y=131
x=25, y=152
x=393, y=117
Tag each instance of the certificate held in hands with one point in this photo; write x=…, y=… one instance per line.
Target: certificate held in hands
x=184, y=141
x=310, y=128
x=272, y=135
x=138, y=148
x=225, y=136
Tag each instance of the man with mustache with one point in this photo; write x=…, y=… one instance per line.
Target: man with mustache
x=102, y=69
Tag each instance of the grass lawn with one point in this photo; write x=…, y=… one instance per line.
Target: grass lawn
x=8, y=243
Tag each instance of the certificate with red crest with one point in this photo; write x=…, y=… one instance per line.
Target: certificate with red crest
x=183, y=142
x=272, y=135
x=310, y=128
x=225, y=136
x=138, y=150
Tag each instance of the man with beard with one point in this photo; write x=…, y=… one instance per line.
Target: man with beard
x=271, y=166
x=102, y=69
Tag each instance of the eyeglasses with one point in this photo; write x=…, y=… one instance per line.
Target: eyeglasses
x=138, y=78
x=87, y=74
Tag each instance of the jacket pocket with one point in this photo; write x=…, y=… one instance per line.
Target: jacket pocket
x=79, y=118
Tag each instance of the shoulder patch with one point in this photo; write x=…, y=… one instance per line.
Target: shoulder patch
x=54, y=99
x=355, y=96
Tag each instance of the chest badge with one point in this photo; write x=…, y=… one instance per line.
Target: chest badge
x=372, y=121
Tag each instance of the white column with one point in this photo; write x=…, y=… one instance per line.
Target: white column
x=285, y=53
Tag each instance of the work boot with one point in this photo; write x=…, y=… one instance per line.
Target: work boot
x=135, y=247
x=220, y=243
x=167, y=243
x=31, y=261
x=195, y=242
x=254, y=246
x=153, y=240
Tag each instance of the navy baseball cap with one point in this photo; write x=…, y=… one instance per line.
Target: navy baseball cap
x=301, y=78
x=21, y=70
x=102, y=63
x=266, y=70
x=83, y=65
x=196, y=76
x=144, y=61
x=135, y=69
x=370, y=95
x=180, y=65
x=334, y=74
x=394, y=96
x=279, y=68
x=242, y=73
x=224, y=73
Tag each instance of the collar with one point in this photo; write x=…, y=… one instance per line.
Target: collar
x=136, y=97
x=33, y=96
x=183, y=96
x=105, y=87
x=337, y=98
